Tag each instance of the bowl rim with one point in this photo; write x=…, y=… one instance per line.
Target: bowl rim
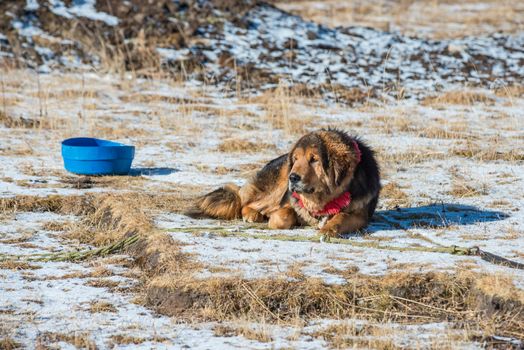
x=110, y=143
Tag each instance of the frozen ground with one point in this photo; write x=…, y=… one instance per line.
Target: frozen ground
x=187, y=138
x=255, y=45
x=443, y=115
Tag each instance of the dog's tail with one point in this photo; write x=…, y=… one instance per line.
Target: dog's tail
x=223, y=203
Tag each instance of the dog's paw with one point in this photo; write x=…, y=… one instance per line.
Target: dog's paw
x=251, y=215
x=330, y=231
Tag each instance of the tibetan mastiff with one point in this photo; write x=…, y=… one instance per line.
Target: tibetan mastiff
x=329, y=180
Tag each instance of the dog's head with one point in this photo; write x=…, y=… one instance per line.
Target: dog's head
x=321, y=164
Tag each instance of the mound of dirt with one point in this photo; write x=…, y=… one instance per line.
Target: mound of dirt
x=251, y=42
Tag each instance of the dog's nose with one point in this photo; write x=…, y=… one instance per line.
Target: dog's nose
x=294, y=178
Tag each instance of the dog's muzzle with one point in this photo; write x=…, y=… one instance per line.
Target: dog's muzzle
x=296, y=185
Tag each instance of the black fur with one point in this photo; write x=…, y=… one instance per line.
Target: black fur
x=267, y=176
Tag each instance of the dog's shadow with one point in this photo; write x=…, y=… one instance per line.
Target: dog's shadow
x=152, y=171
x=432, y=216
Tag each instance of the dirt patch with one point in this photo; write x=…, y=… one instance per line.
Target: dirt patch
x=396, y=297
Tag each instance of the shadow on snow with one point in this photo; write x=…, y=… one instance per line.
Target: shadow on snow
x=432, y=216
x=152, y=171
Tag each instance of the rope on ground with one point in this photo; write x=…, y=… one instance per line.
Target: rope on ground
x=114, y=248
x=126, y=242
x=453, y=250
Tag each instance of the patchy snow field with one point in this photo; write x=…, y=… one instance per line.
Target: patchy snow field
x=452, y=175
x=208, y=92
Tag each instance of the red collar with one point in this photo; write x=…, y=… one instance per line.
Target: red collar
x=337, y=204
x=332, y=208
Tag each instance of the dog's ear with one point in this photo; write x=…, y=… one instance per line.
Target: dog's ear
x=340, y=169
x=290, y=160
x=339, y=161
x=325, y=155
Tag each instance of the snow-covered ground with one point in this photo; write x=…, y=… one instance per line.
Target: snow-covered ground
x=256, y=45
x=434, y=195
x=222, y=88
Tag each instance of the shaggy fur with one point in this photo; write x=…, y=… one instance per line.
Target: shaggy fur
x=320, y=167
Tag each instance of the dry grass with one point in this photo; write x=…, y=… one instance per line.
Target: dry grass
x=103, y=283
x=243, y=146
x=170, y=288
x=247, y=331
x=394, y=123
x=389, y=159
x=18, y=265
x=467, y=98
x=438, y=132
x=350, y=335
x=79, y=340
x=512, y=234
x=8, y=343
x=281, y=110
x=513, y=91
x=393, y=196
x=124, y=339
x=488, y=153
x=18, y=122
x=398, y=297
x=56, y=226
x=101, y=306
x=461, y=189
x=427, y=18
x=151, y=98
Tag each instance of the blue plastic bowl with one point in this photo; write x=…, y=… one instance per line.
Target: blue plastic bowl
x=89, y=156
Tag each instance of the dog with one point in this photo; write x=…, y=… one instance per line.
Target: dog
x=329, y=180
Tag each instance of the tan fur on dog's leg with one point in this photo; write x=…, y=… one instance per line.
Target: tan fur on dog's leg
x=251, y=215
x=282, y=219
x=345, y=223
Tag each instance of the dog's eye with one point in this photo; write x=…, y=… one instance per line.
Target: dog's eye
x=313, y=160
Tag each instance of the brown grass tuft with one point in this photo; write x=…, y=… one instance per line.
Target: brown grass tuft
x=513, y=91
x=102, y=283
x=76, y=205
x=252, y=333
x=474, y=151
x=237, y=145
x=79, y=340
x=114, y=216
x=351, y=335
x=124, y=339
x=280, y=110
x=18, y=265
x=101, y=306
x=461, y=189
x=9, y=344
x=393, y=196
x=467, y=98
x=18, y=122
